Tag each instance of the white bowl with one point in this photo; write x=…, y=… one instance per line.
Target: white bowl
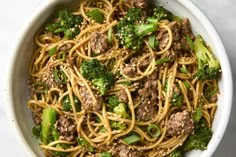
x=20, y=116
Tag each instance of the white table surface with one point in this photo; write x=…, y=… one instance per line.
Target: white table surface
x=14, y=13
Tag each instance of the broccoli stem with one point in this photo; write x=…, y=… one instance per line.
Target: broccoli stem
x=49, y=118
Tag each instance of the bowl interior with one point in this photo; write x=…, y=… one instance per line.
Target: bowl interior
x=18, y=90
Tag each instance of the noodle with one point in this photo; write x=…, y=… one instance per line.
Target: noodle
x=151, y=92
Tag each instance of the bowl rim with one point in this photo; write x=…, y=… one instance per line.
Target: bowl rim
x=187, y=4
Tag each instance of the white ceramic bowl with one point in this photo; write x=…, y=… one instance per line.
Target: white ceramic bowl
x=20, y=116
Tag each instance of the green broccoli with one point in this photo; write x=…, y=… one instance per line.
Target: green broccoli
x=177, y=96
x=91, y=69
x=55, y=135
x=177, y=99
x=121, y=110
x=82, y=142
x=66, y=23
x=176, y=153
x=132, y=29
x=118, y=125
x=208, y=66
x=36, y=130
x=49, y=118
x=66, y=104
x=200, y=138
x=113, y=101
x=94, y=71
x=104, y=83
x=160, y=13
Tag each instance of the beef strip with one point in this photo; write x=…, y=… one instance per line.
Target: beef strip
x=66, y=128
x=87, y=101
x=122, y=150
x=99, y=42
x=180, y=123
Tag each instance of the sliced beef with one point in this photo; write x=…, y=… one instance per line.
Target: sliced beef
x=139, y=3
x=180, y=123
x=66, y=128
x=122, y=150
x=99, y=42
x=88, y=103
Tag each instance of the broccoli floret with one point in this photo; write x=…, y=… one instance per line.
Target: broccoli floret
x=132, y=29
x=176, y=153
x=118, y=125
x=177, y=99
x=66, y=104
x=66, y=23
x=200, y=138
x=60, y=145
x=133, y=15
x=160, y=13
x=113, y=101
x=104, y=83
x=91, y=69
x=121, y=110
x=36, y=130
x=49, y=118
x=208, y=66
x=82, y=142
x=94, y=71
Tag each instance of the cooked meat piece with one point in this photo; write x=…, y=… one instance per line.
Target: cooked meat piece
x=213, y=99
x=180, y=123
x=122, y=95
x=139, y=3
x=66, y=128
x=163, y=38
x=184, y=45
x=87, y=101
x=99, y=42
x=169, y=54
x=175, y=27
x=124, y=151
x=129, y=70
x=146, y=110
x=48, y=78
x=66, y=47
x=186, y=28
x=144, y=64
